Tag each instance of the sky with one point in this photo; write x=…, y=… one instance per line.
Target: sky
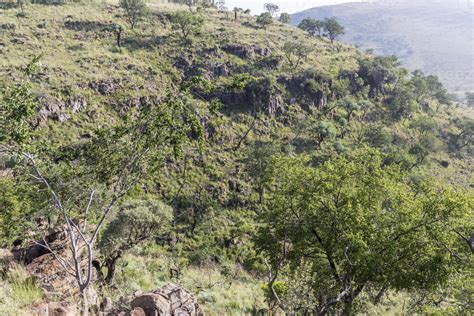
x=293, y=6
x=289, y=6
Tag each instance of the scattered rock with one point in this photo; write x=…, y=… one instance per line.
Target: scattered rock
x=105, y=87
x=62, y=309
x=7, y=26
x=246, y=51
x=18, y=40
x=76, y=103
x=218, y=69
x=168, y=300
x=42, y=25
x=54, y=309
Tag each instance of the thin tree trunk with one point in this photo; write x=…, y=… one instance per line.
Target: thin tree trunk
x=111, y=267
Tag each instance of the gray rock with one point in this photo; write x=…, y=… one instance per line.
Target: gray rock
x=246, y=51
x=168, y=300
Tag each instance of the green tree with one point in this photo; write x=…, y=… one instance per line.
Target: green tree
x=351, y=106
x=134, y=10
x=379, y=73
x=426, y=144
x=111, y=162
x=355, y=225
x=333, y=28
x=16, y=208
x=264, y=19
x=186, y=23
x=323, y=131
x=17, y=106
x=377, y=136
x=295, y=52
x=258, y=164
x=464, y=136
x=285, y=18
x=137, y=221
x=311, y=26
x=271, y=8
x=401, y=103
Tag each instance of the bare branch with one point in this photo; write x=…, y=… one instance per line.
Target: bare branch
x=64, y=264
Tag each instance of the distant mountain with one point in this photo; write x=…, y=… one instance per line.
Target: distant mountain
x=434, y=36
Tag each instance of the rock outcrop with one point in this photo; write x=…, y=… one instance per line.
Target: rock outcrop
x=42, y=264
x=246, y=51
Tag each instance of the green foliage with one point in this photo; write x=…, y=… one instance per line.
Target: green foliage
x=279, y=287
x=323, y=131
x=264, y=20
x=18, y=291
x=401, y=104
x=333, y=28
x=424, y=125
x=240, y=81
x=377, y=136
x=15, y=209
x=134, y=10
x=463, y=138
x=142, y=146
x=378, y=73
x=426, y=145
x=295, y=52
x=258, y=164
x=311, y=26
x=17, y=105
x=360, y=225
x=271, y=8
x=209, y=147
x=285, y=18
x=186, y=23
x=137, y=221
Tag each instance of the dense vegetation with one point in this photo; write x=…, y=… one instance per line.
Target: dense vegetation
x=262, y=166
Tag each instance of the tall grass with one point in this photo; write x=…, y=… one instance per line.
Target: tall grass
x=18, y=290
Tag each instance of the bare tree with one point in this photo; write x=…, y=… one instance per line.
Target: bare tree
x=81, y=239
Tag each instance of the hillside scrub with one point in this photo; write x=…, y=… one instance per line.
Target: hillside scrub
x=224, y=147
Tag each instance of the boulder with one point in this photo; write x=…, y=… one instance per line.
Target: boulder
x=152, y=303
x=168, y=300
x=54, y=309
x=105, y=87
x=138, y=311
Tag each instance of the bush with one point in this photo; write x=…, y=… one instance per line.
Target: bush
x=134, y=10
x=264, y=20
x=186, y=23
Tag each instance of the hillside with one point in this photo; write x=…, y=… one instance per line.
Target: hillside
x=435, y=37
x=257, y=168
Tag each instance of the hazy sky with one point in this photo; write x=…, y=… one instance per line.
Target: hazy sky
x=290, y=6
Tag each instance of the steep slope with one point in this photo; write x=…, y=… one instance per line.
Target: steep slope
x=251, y=104
x=434, y=36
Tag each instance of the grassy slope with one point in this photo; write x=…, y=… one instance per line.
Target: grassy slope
x=73, y=59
